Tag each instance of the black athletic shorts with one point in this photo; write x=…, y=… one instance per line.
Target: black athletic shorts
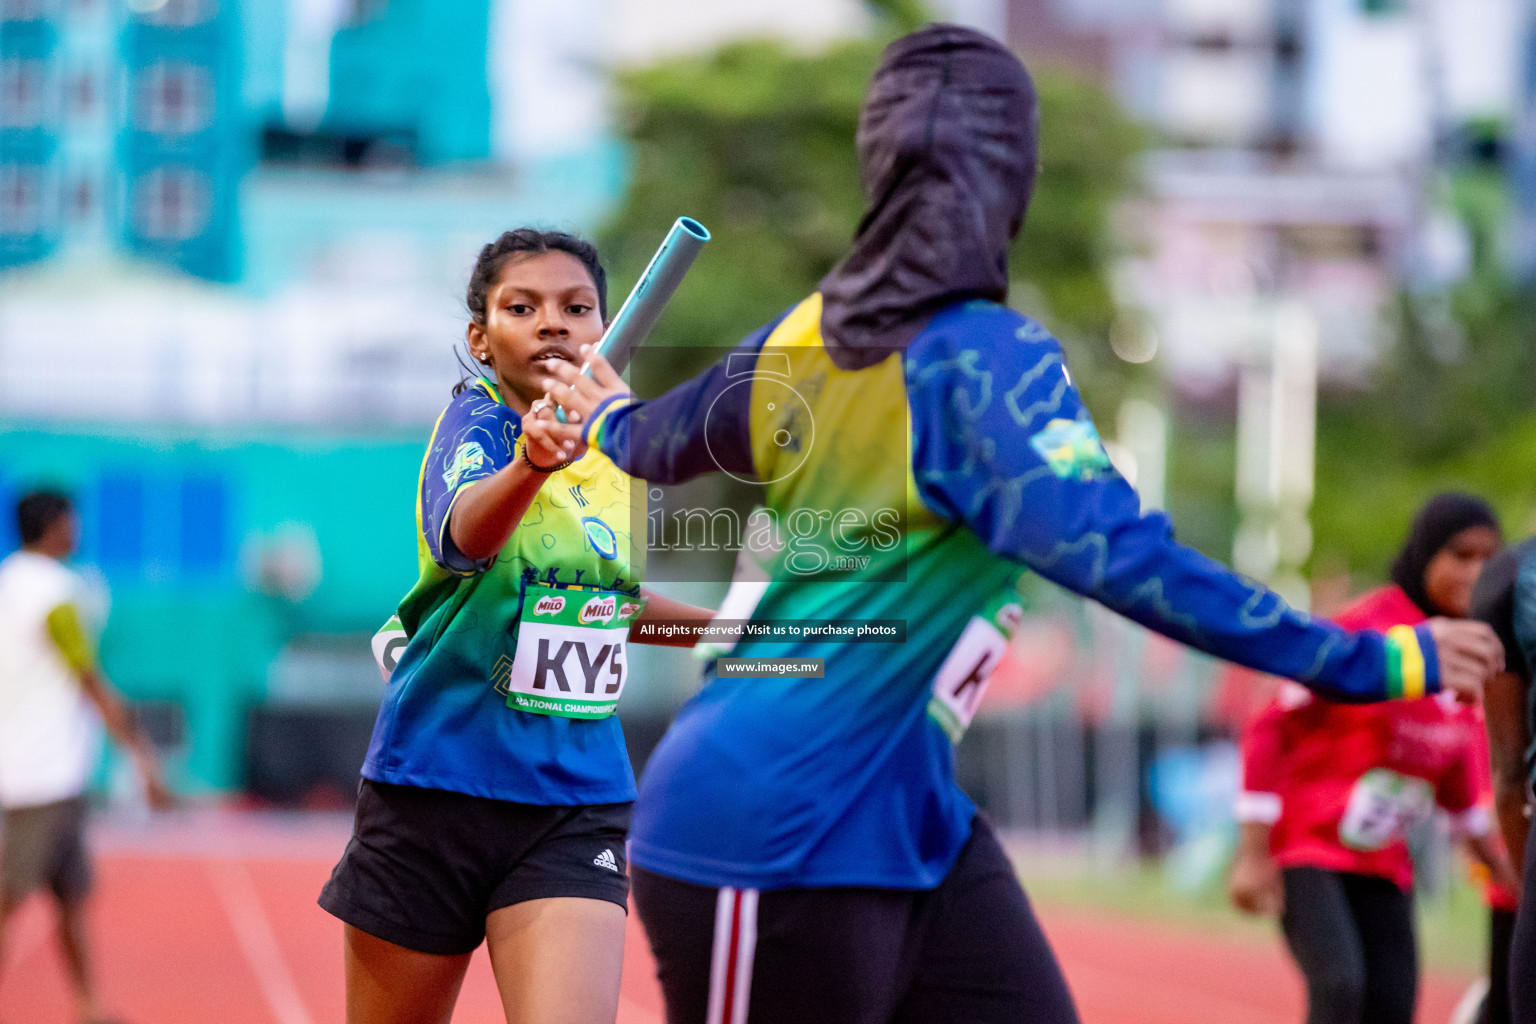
x=43, y=846
x=968, y=952
x=425, y=867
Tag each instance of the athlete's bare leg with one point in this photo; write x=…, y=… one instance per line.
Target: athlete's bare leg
x=558, y=961
x=75, y=945
x=389, y=984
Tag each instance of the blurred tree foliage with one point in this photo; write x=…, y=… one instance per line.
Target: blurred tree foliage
x=1451, y=406
x=901, y=15
x=757, y=141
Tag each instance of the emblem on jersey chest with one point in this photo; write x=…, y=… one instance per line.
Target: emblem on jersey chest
x=601, y=536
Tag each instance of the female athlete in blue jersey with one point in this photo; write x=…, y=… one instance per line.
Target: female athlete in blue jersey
x=803, y=853
x=496, y=791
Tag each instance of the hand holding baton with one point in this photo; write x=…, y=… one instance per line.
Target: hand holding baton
x=634, y=320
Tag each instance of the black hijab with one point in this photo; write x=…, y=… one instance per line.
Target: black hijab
x=947, y=146
x=1441, y=518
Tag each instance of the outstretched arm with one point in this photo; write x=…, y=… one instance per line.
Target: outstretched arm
x=1003, y=443
x=69, y=636
x=485, y=512
x=688, y=620
x=1254, y=884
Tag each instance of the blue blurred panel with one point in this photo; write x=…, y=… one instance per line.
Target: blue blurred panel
x=9, y=540
x=205, y=547
x=162, y=528
x=120, y=523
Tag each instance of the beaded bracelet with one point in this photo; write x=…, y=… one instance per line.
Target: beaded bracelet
x=542, y=469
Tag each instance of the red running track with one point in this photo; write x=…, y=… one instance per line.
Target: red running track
x=213, y=917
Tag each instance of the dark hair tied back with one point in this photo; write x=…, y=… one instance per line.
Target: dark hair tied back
x=531, y=242
x=493, y=260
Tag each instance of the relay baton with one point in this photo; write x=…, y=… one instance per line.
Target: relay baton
x=642, y=309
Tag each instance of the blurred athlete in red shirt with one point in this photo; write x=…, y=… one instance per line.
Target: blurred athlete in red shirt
x=1329, y=791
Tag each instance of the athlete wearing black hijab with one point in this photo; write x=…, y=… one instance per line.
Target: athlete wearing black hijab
x=801, y=852
x=1451, y=537
x=948, y=148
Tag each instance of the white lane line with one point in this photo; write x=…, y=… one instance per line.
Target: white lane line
x=232, y=883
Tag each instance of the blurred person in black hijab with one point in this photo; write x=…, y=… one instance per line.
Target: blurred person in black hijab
x=1451, y=537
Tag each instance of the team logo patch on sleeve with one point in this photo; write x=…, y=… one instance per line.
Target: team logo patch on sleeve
x=468, y=458
x=1072, y=449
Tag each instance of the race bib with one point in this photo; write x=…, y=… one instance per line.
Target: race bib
x=1382, y=806
x=962, y=679
x=570, y=659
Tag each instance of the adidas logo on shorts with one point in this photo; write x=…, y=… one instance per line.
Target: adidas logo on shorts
x=605, y=860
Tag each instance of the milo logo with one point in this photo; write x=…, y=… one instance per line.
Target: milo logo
x=629, y=608
x=599, y=609
x=550, y=605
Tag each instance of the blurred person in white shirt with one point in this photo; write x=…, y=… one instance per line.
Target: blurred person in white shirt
x=54, y=702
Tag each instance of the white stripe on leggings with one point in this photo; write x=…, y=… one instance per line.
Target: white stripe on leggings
x=730, y=976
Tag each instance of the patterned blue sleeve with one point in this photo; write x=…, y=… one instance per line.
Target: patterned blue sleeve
x=1003, y=443
x=701, y=426
x=475, y=436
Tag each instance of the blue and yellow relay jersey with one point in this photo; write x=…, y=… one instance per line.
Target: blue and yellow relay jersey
x=468, y=706
x=918, y=488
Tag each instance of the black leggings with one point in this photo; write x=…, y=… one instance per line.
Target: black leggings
x=968, y=952
x=1352, y=937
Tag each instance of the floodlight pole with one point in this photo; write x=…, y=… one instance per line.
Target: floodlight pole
x=1276, y=449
